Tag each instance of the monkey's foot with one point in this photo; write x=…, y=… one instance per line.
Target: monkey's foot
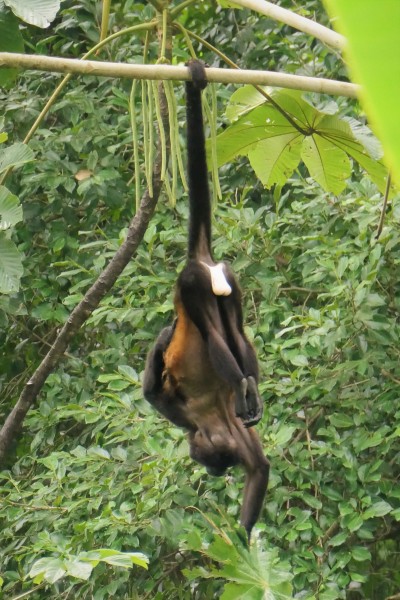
x=249, y=405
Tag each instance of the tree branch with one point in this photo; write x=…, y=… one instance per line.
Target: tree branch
x=91, y=300
x=181, y=73
x=326, y=35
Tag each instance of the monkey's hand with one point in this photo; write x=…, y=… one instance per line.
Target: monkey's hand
x=248, y=404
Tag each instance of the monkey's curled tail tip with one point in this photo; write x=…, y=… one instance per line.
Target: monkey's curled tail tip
x=198, y=73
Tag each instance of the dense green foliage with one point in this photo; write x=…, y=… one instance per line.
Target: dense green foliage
x=96, y=468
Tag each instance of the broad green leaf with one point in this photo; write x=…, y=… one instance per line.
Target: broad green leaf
x=116, y=558
x=311, y=500
x=360, y=553
x=364, y=135
x=11, y=269
x=372, y=33
x=301, y=111
x=238, y=139
x=10, y=209
x=100, y=452
x=355, y=522
x=243, y=100
x=338, y=539
x=235, y=591
x=396, y=514
x=340, y=133
x=15, y=156
x=273, y=142
x=327, y=164
x=275, y=159
x=50, y=569
x=129, y=373
x=299, y=360
x=78, y=568
x=341, y=420
x=284, y=434
x=379, y=509
x=10, y=41
x=35, y=12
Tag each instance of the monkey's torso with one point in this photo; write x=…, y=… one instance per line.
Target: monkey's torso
x=189, y=371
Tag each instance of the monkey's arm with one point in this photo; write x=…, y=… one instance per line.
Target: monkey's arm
x=170, y=405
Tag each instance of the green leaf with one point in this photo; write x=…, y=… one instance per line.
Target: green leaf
x=372, y=33
x=299, y=360
x=35, y=12
x=238, y=139
x=327, y=164
x=341, y=420
x=100, y=452
x=355, y=523
x=311, y=500
x=284, y=434
x=116, y=558
x=243, y=100
x=15, y=156
x=50, y=569
x=396, y=514
x=10, y=209
x=274, y=145
x=78, y=568
x=378, y=509
x=339, y=132
x=360, y=553
x=11, y=269
x=10, y=41
x=235, y=591
x=338, y=539
x=275, y=159
x=129, y=373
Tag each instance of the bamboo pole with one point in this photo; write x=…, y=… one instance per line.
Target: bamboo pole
x=179, y=73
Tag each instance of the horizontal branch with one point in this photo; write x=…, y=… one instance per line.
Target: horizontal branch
x=181, y=73
x=326, y=35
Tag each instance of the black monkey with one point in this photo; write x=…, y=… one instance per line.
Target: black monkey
x=202, y=373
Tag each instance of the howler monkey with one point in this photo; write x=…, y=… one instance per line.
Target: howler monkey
x=202, y=372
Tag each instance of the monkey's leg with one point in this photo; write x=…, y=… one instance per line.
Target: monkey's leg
x=152, y=379
x=168, y=403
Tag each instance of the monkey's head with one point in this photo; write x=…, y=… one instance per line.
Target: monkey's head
x=215, y=450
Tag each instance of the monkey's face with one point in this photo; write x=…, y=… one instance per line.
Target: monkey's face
x=215, y=450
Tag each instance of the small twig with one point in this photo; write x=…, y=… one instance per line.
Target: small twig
x=303, y=432
x=29, y=592
x=31, y=507
x=384, y=206
x=329, y=533
x=390, y=376
x=295, y=288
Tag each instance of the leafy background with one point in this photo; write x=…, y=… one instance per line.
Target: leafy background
x=98, y=478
